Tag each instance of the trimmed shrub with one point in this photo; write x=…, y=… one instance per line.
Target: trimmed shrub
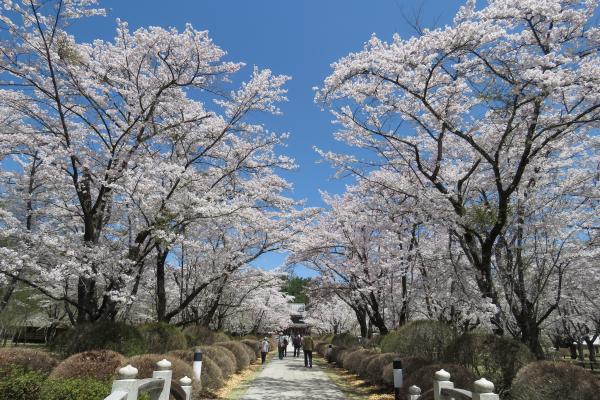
x=146, y=364
x=96, y=364
x=254, y=345
x=224, y=358
x=335, y=354
x=239, y=351
x=250, y=351
x=197, y=335
x=161, y=337
x=423, y=377
x=345, y=340
x=102, y=335
x=363, y=369
x=27, y=359
x=321, y=347
x=18, y=383
x=354, y=360
x=75, y=389
x=497, y=358
x=544, y=380
x=376, y=365
x=424, y=339
x=211, y=375
x=409, y=366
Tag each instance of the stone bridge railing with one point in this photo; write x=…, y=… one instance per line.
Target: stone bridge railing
x=443, y=387
x=159, y=387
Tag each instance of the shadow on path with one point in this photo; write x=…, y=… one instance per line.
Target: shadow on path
x=289, y=379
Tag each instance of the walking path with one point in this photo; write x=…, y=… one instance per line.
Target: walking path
x=289, y=379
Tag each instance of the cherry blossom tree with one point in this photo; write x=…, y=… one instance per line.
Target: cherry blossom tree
x=117, y=152
x=486, y=122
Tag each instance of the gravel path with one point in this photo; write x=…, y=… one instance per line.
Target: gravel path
x=288, y=379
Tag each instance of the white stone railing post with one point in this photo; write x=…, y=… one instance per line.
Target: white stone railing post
x=127, y=382
x=414, y=392
x=164, y=372
x=441, y=380
x=484, y=390
x=186, y=385
x=398, y=377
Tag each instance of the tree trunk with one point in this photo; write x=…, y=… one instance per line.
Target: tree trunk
x=161, y=294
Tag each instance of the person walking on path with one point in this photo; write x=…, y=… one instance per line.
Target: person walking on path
x=297, y=343
x=285, y=345
x=280, y=346
x=308, y=346
x=264, y=349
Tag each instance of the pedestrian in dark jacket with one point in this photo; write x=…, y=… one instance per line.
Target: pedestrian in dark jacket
x=297, y=343
x=308, y=346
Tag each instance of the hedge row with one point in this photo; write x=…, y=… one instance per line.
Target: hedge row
x=34, y=375
x=425, y=347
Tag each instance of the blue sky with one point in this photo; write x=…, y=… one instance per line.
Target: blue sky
x=300, y=38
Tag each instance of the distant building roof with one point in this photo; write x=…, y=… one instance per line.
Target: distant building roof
x=296, y=308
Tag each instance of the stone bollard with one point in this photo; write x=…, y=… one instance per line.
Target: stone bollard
x=441, y=380
x=164, y=372
x=197, y=365
x=127, y=382
x=484, y=390
x=414, y=392
x=186, y=385
x=397, y=365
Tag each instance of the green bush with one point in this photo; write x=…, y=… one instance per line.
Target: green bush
x=496, y=358
x=96, y=364
x=18, y=383
x=423, y=377
x=345, y=340
x=27, y=359
x=409, y=366
x=161, y=337
x=239, y=351
x=543, y=380
x=424, y=339
x=102, y=335
x=75, y=389
x=197, y=335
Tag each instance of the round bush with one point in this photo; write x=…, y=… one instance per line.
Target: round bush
x=102, y=335
x=409, y=366
x=335, y=354
x=376, y=365
x=254, y=345
x=544, y=380
x=239, y=351
x=197, y=335
x=354, y=360
x=363, y=369
x=345, y=340
x=161, y=337
x=27, y=359
x=211, y=375
x=224, y=358
x=496, y=358
x=96, y=364
x=341, y=356
x=423, y=377
x=424, y=339
x=250, y=351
